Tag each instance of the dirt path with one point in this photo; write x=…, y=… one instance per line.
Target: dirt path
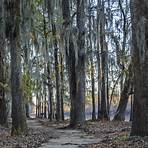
x=69, y=139
x=103, y=134
x=64, y=138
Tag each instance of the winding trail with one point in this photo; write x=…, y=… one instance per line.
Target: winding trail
x=65, y=138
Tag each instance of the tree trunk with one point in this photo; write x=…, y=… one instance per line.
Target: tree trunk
x=103, y=111
x=93, y=91
x=140, y=64
x=75, y=67
x=42, y=104
x=27, y=110
x=80, y=65
x=62, y=85
x=98, y=56
x=27, y=71
x=70, y=59
x=50, y=94
x=3, y=104
x=56, y=59
x=70, y=56
x=131, y=114
x=19, y=125
x=45, y=102
x=37, y=105
x=120, y=113
x=58, y=102
x=72, y=82
x=92, y=64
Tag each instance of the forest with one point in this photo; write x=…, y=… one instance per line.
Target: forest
x=74, y=73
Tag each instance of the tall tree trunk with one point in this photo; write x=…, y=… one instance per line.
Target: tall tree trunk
x=80, y=64
x=140, y=64
x=58, y=102
x=72, y=81
x=19, y=125
x=120, y=113
x=50, y=94
x=45, y=102
x=103, y=111
x=46, y=58
x=93, y=91
x=70, y=55
x=56, y=59
x=37, y=104
x=98, y=55
x=107, y=83
x=42, y=103
x=75, y=67
x=92, y=65
x=3, y=104
x=131, y=114
x=62, y=85
x=70, y=58
x=40, y=106
x=27, y=71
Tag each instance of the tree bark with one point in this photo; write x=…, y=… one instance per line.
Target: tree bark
x=93, y=91
x=80, y=65
x=50, y=94
x=98, y=56
x=27, y=110
x=92, y=65
x=56, y=59
x=58, y=101
x=139, y=10
x=103, y=111
x=62, y=85
x=70, y=58
x=120, y=113
x=3, y=104
x=75, y=67
x=19, y=125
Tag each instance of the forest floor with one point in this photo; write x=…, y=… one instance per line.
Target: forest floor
x=113, y=135
x=45, y=134
x=37, y=134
